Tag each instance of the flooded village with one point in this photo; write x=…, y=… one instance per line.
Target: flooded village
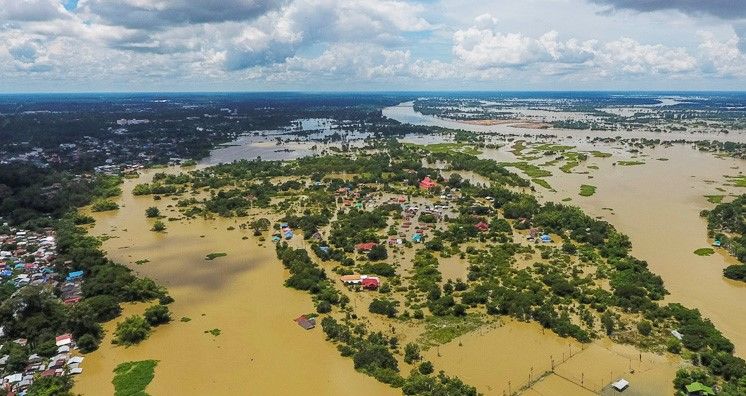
x=238, y=293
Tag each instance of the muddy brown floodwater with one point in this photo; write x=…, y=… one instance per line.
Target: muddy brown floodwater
x=260, y=350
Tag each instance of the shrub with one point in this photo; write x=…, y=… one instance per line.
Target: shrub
x=131, y=331
x=158, y=226
x=152, y=212
x=383, y=307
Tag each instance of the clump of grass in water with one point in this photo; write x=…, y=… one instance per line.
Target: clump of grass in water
x=131, y=378
x=630, y=163
x=213, y=256
x=716, y=199
x=704, y=251
x=214, y=332
x=587, y=190
x=141, y=262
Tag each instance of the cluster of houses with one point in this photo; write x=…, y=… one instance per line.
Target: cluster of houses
x=63, y=363
x=27, y=259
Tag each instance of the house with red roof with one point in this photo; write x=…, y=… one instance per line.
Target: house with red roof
x=482, y=226
x=427, y=183
x=365, y=247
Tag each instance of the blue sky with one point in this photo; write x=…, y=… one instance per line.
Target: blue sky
x=257, y=45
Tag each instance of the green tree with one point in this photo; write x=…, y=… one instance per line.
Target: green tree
x=51, y=386
x=411, y=353
x=426, y=368
x=87, y=343
x=131, y=331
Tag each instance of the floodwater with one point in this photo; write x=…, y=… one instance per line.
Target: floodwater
x=260, y=350
x=520, y=356
x=405, y=113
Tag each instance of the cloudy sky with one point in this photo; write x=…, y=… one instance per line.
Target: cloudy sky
x=255, y=45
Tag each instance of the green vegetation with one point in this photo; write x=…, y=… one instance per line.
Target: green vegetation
x=213, y=256
x=131, y=331
x=587, y=190
x=152, y=212
x=630, y=163
x=213, y=332
x=131, y=378
x=158, y=226
x=542, y=183
x=103, y=205
x=704, y=252
x=441, y=330
x=716, y=199
x=600, y=154
x=157, y=315
x=530, y=170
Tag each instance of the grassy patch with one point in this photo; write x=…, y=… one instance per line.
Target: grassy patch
x=568, y=167
x=542, y=183
x=704, y=251
x=716, y=199
x=213, y=256
x=131, y=378
x=443, y=329
x=630, y=163
x=587, y=190
x=530, y=170
x=186, y=319
x=450, y=147
x=141, y=262
x=600, y=154
x=737, y=181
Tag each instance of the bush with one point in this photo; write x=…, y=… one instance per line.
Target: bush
x=324, y=307
x=152, y=212
x=426, y=368
x=378, y=253
x=131, y=331
x=87, y=343
x=157, y=315
x=411, y=353
x=105, y=307
x=158, y=226
x=644, y=327
x=383, y=307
